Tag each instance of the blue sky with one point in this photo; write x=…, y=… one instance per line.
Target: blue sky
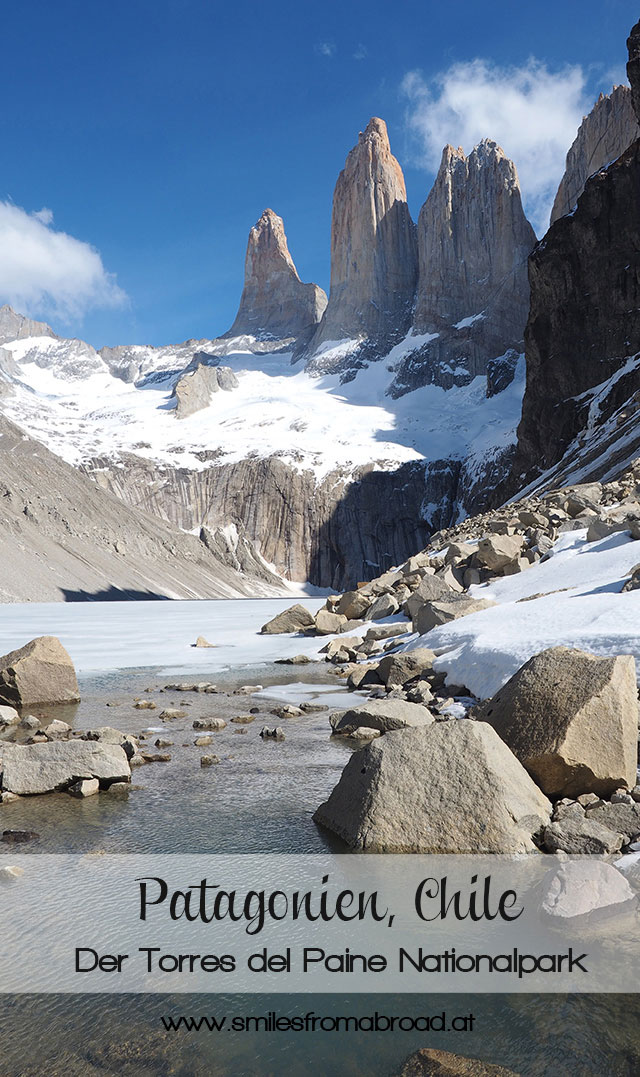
x=158, y=131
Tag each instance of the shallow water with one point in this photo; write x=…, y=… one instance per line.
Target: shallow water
x=260, y=798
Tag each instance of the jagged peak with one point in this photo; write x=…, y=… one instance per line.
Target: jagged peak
x=375, y=129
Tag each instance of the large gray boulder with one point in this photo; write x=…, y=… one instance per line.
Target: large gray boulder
x=495, y=552
x=28, y=769
x=572, y=720
x=429, y=589
x=583, y=887
x=453, y=787
x=396, y=669
x=443, y=610
x=39, y=672
x=295, y=619
x=382, y=714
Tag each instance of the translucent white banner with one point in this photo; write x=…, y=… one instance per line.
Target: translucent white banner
x=316, y=924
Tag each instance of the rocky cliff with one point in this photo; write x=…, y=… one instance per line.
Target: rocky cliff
x=580, y=407
x=64, y=538
x=373, y=247
x=333, y=533
x=472, y=297
x=275, y=304
x=603, y=135
x=15, y=326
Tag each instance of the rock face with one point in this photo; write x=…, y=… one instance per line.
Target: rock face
x=275, y=304
x=603, y=135
x=473, y=292
x=62, y=536
x=29, y=769
x=15, y=326
x=451, y=788
x=584, y=324
x=373, y=246
x=331, y=533
x=200, y=380
x=39, y=672
x=429, y=1062
x=572, y=721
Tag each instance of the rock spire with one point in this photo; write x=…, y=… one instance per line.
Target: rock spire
x=373, y=245
x=275, y=304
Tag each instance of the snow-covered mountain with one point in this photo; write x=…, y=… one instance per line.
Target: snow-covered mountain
x=309, y=435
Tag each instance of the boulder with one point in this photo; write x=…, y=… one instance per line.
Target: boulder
x=29, y=769
x=585, y=886
x=382, y=714
x=497, y=551
x=453, y=787
x=623, y=818
x=86, y=787
x=430, y=589
x=400, y=668
x=580, y=836
x=39, y=672
x=202, y=642
x=106, y=734
x=429, y=1062
x=327, y=623
x=353, y=604
x=295, y=619
x=572, y=720
x=440, y=612
x=378, y=632
x=8, y=717
x=384, y=606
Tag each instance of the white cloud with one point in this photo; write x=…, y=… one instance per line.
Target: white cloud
x=325, y=48
x=361, y=53
x=533, y=113
x=44, y=272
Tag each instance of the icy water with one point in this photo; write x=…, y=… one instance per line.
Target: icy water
x=260, y=798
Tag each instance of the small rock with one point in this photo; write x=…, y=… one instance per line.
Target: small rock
x=247, y=689
x=158, y=757
x=296, y=660
x=160, y=743
x=145, y=705
x=272, y=734
x=170, y=714
x=287, y=711
x=209, y=760
x=202, y=642
x=214, y=724
x=85, y=787
x=203, y=742
x=18, y=837
x=243, y=719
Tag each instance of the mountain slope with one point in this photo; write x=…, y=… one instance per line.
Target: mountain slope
x=61, y=537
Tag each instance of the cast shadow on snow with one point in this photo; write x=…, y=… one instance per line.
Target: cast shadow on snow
x=112, y=594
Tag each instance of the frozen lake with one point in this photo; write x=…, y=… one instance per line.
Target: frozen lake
x=103, y=636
